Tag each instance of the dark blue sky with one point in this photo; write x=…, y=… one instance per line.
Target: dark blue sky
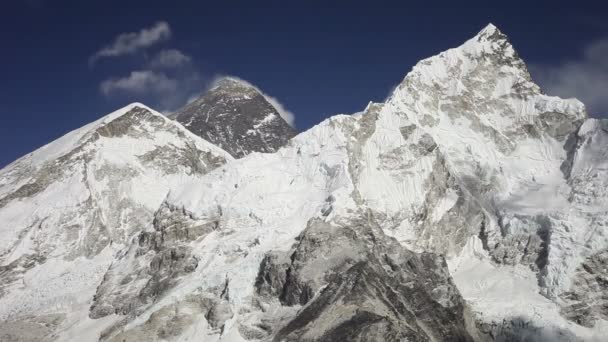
x=317, y=59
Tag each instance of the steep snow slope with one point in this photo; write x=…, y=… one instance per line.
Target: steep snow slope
x=68, y=207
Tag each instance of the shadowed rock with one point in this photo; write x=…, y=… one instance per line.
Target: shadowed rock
x=235, y=116
x=357, y=284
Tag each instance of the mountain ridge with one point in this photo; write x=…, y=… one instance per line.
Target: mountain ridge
x=458, y=209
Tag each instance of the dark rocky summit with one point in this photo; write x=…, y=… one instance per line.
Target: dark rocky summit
x=237, y=117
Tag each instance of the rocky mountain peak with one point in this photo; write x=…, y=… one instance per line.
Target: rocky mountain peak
x=492, y=33
x=493, y=44
x=484, y=85
x=238, y=117
x=229, y=83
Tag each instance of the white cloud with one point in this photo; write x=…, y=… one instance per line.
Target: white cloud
x=287, y=115
x=166, y=92
x=139, y=82
x=585, y=78
x=165, y=81
x=170, y=58
x=128, y=43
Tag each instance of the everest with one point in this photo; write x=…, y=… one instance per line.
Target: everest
x=237, y=117
x=469, y=206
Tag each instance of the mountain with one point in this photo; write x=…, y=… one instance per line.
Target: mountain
x=469, y=206
x=68, y=208
x=237, y=117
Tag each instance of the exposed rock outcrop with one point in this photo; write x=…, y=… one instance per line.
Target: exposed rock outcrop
x=357, y=284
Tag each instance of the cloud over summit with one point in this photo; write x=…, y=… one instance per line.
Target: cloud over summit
x=167, y=77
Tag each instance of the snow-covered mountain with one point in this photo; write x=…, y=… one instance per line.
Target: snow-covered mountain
x=68, y=208
x=469, y=206
x=237, y=117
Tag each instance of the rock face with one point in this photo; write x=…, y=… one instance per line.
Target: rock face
x=588, y=298
x=357, y=284
x=237, y=117
x=467, y=207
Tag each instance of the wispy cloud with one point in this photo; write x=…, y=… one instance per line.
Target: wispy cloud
x=165, y=91
x=287, y=115
x=131, y=42
x=171, y=58
x=169, y=79
x=585, y=78
x=166, y=80
x=139, y=82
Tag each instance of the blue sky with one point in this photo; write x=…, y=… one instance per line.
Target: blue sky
x=65, y=63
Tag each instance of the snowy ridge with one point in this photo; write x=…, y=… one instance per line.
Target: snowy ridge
x=69, y=142
x=468, y=190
